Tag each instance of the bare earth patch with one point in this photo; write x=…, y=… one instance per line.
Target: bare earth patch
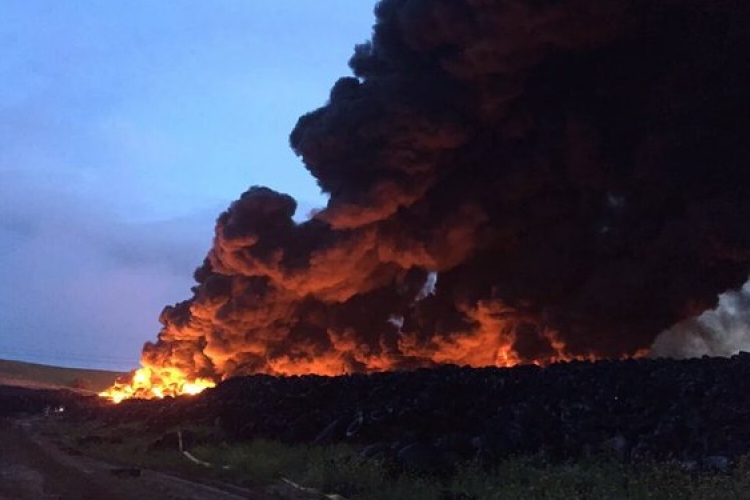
x=33, y=467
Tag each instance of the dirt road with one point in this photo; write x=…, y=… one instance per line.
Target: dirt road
x=33, y=468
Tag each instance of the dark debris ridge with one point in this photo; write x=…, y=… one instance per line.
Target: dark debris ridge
x=695, y=411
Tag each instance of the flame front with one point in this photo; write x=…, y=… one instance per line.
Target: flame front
x=156, y=383
x=490, y=343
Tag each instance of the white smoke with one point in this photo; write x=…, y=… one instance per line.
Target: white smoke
x=429, y=286
x=397, y=321
x=723, y=331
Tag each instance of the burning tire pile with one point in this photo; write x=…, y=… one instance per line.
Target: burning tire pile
x=695, y=411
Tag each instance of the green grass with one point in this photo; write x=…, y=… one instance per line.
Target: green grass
x=125, y=445
x=339, y=469
x=54, y=376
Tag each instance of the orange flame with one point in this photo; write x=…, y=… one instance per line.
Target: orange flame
x=156, y=383
x=491, y=342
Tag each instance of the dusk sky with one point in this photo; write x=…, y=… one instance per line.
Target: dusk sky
x=125, y=129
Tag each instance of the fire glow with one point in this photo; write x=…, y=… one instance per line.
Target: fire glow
x=147, y=383
x=479, y=350
x=576, y=190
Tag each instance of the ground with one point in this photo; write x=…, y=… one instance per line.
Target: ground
x=32, y=467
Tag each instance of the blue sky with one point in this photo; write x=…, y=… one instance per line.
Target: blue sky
x=125, y=128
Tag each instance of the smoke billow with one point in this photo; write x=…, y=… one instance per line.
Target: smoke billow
x=724, y=331
x=509, y=181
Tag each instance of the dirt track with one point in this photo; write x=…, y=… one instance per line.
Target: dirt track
x=33, y=468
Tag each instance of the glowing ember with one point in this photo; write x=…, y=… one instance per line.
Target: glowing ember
x=156, y=383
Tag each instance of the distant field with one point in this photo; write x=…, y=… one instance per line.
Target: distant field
x=34, y=375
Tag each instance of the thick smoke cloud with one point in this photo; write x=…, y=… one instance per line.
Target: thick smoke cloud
x=574, y=172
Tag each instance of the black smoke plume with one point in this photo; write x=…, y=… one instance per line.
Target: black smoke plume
x=574, y=173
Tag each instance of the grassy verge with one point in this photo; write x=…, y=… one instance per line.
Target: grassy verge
x=338, y=469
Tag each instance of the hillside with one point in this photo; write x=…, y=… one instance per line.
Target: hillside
x=35, y=375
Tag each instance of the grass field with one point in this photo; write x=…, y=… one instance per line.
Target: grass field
x=339, y=472
x=44, y=376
